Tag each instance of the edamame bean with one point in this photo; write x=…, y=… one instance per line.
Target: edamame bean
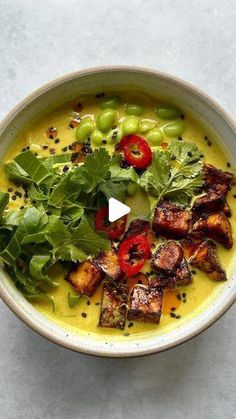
x=130, y=125
x=146, y=126
x=97, y=137
x=174, y=129
x=111, y=102
x=167, y=112
x=131, y=188
x=133, y=109
x=114, y=136
x=154, y=137
x=106, y=119
x=84, y=129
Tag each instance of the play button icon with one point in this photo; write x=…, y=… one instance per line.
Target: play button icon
x=116, y=210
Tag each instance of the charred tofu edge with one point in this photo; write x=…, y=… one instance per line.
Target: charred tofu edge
x=85, y=277
x=114, y=306
x=145, y=304
x=108, y=262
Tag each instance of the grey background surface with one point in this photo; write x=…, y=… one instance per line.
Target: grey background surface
x=40, y=40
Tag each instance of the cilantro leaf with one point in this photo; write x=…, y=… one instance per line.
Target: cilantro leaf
x=94, y=171
x=175, y=178
x=113, y=189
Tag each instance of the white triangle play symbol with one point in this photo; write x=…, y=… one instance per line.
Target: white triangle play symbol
x=116, y=209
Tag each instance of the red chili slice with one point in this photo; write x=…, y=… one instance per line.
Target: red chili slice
x=114, y=230
x=132, y=254
x=136, y=151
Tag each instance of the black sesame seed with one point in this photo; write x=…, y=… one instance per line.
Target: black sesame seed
x=173, y=308
x=190, y=154
x=130, y=324
x=22, y=207
x=184, y=294
x=64, y=149
x=56, y=141
x=34, y=201
x=97, y=304
x=84, y=315
x=182, y=116
x=48, y=212
x=234, y=196
x=140, y=281
x=201, y=155
x=194, y=272
x=178, y=316
x=65, y=168
x=36, y=154
x=10, y=189
x=172, y=315
x=13, y=197
x=209, y=143
x=180, y=138
x=88, y=303
x=228, y=164
x=179, y=297
x=70, y=147
x=173, y=158
x=206, y=138
x=104, y=141
x=52, y=151
x=45, y=147
x=126, y=334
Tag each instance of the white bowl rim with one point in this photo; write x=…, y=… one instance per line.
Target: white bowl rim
x=21, y=313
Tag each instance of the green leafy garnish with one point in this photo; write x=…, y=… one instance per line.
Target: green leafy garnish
x=73, y=300
x=175, y=173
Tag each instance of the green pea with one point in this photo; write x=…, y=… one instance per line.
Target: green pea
x=111, y=102
x=97, y=137
x=131, y=188
x=85, y=129
x=114, y=136
x=106, y=120
x=134, y=109
x=146, y=126
x=154, y=137
x=130, y=125
x=168, y=112
x=174, y=129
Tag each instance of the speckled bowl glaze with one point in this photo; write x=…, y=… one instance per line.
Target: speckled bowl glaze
x=91, y=81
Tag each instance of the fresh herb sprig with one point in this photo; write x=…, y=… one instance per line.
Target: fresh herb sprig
x=174, y=173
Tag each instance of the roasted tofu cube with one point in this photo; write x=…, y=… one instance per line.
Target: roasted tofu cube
x=167, y=257
x=215, y=226
x=206, y=260
x=108, y=262
x=145, y=304
x=181, y=277
x=114, y=306
x=206, y=204
x=216, y=179
x=137, y=226
x=171, y=220
x=85, y=277
x=189, y=246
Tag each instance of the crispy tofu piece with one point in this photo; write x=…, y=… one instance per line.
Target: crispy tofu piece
x=145, y=304
x=190, y=246
x=171, y=220
x=114, y=306
x=215, y=226
x=85, y=277
x=181, y=277
x=216, y=179
x=137, y=226
x=206, y=204
x=206, y=260
x=167, y=257
x=108, y=262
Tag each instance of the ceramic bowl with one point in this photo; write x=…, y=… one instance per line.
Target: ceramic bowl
x=191, y=100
